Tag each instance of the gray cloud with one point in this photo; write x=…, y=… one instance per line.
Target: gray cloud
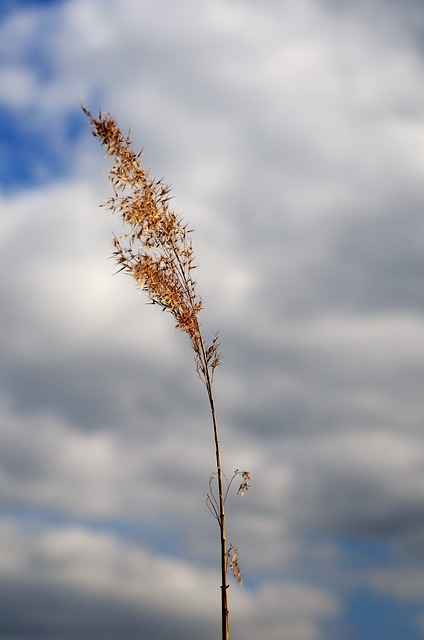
x=292, y=136
x=79, y=583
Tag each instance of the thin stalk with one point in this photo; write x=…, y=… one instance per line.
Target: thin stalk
x=221, y=498
x=221, y=504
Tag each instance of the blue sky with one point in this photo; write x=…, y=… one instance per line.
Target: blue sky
x=292, y=135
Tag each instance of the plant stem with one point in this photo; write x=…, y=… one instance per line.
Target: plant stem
x=221, y=502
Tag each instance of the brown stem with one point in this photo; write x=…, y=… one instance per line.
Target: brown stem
x=201, y=352
x=221, y=502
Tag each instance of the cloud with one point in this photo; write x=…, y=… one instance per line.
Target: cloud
x=91, y=583
x=291, y=135
x=83, y=582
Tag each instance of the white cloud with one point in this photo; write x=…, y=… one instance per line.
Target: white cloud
x=291, y=134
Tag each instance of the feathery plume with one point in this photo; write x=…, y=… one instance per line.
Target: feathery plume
x=156, y=250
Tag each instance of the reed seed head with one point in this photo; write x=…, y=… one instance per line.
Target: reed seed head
x=245, y=479
x=156, y=248
x=233, y=563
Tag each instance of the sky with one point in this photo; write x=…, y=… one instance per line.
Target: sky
x=292, y=134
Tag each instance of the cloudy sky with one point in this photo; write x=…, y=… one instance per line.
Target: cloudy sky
x=292, y=134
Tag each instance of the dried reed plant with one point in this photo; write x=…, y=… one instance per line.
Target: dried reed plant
x=156, y=251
